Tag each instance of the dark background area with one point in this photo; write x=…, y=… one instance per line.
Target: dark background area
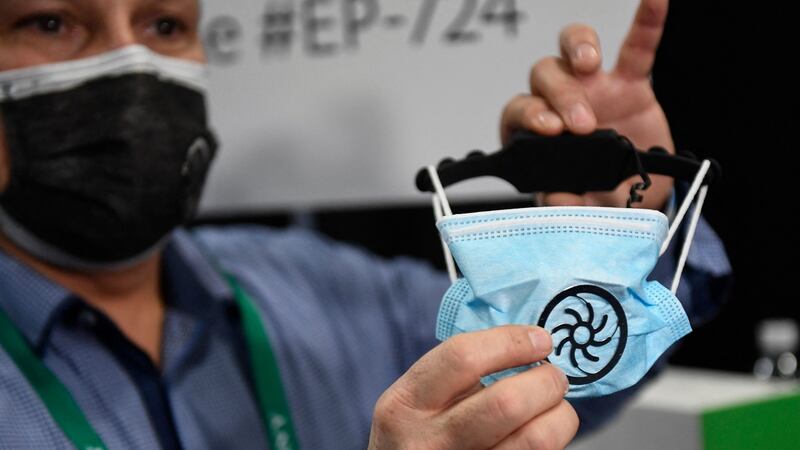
x=724, y=76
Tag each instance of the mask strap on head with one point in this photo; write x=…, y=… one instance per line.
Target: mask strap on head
x=699, y=191
x=19, y=84
x=441, y=208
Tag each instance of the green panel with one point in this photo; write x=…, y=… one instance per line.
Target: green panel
x=772, y=424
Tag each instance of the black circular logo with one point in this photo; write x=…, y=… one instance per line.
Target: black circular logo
x=585, y=321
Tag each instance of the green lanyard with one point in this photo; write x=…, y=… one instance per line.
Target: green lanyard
x=56, y=398
x=69, y=417
x=266, y=376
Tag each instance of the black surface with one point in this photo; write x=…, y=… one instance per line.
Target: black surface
x=722, y=74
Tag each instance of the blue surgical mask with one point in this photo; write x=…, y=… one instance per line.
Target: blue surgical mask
x=580, y=273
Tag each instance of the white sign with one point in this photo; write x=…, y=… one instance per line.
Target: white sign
x=320, y=102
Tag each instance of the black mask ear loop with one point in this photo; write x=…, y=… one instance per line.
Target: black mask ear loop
x=441, y=208
x=699, y=191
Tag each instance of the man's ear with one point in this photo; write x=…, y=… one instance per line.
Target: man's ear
x=5, y=166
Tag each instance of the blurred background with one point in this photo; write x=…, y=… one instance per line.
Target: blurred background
x=327, y=108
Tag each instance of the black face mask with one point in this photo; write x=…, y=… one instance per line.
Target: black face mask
x=102, y=172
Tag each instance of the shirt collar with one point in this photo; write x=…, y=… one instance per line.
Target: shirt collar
x=194, y=283
x=29, y=299
x=33, y=302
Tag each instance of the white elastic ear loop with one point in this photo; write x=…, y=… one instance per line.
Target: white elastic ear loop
x=448, y=257
x=696, y=190
x=687, y=243
x=687, y=202
x=437, y=186
x=439, y=203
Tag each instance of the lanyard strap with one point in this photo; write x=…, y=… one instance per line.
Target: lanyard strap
x=55, y=396
x=68, y=416
x=266, y=375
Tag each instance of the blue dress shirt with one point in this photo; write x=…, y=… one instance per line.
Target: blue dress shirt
x=345, y=324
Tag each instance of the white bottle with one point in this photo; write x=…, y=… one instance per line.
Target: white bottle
x=777, y=341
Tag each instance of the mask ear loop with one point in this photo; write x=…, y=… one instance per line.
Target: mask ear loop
x=441, y=208
x=687, y=244
x=696, y=190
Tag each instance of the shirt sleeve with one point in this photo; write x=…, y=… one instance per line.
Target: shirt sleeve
x=401, y=293
x=383, y=306
x=344, y=323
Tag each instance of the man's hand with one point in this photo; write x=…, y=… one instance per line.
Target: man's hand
x=574, y=93
x=440, y=404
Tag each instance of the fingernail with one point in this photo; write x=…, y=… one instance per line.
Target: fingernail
x=585, y=52
x=540, y=339
x=566, y=381
x=547, y=119
x=579, y=115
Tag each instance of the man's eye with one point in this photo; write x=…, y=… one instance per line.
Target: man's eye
x=168, y=27
x=45, y=23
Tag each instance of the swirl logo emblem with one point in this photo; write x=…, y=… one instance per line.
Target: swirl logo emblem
x=589, y=332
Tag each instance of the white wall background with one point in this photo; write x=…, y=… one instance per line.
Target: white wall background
x=338, y=118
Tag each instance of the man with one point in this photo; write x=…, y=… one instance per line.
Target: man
x=152, y=338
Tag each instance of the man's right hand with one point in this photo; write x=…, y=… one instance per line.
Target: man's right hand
x=573, y=93
x=440, y=404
